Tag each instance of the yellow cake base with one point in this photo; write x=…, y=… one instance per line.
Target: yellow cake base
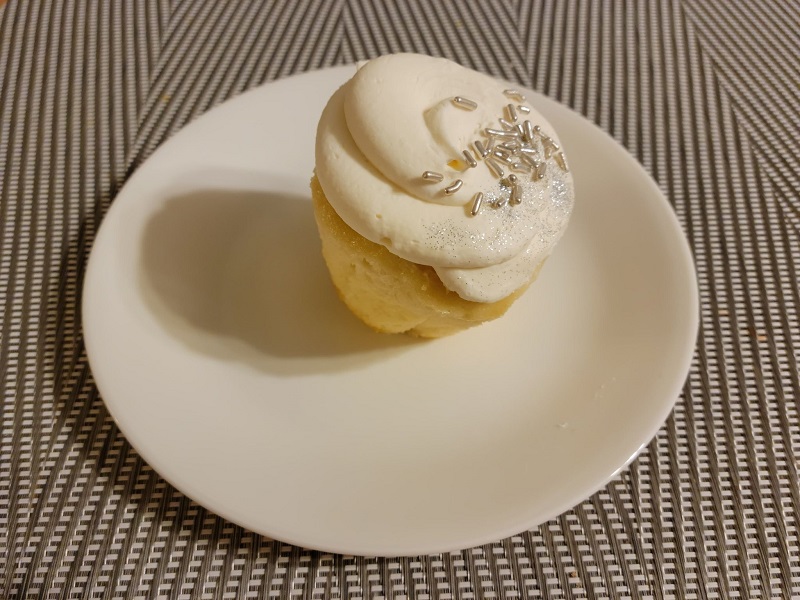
x=389, y=293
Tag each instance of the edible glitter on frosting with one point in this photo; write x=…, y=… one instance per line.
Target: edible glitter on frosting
x=379, y=134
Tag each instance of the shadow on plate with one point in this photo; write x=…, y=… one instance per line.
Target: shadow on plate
x=239, y=275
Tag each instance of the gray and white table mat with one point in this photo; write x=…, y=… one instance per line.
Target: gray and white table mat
x=704, y=94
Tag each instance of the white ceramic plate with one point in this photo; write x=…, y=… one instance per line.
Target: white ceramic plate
x=220, y=348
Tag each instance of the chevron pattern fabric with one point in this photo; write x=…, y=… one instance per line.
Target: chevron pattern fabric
x=703, y=93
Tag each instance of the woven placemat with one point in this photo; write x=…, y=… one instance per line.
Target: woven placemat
x=704, y=94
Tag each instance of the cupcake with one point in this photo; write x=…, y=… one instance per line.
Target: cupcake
x=438, y=193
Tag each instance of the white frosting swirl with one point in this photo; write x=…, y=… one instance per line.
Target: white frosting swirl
x=394, y=120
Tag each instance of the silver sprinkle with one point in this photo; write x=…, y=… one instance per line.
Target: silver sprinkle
x=470, y=161
x=465, y=103
x=561, y=161
x=540, y=170
x=531, y=151
x=521, y=131
x=501, y=201
x=432, y=176
x=516, y=196
x=496, y=169
x=501, y=134
x=514, y=95
x=521, y=168
x=453, y=187
x=537, y=130
x=507, y=125
x=476, y=203
x=502, y=157
x=511, y=113
x=528, y=127
x=549, y=147
x=480, y=149
x=503, y=151
x=526, y=158
x=523, y=109
x=511, y=145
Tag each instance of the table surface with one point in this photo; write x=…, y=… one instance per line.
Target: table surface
x=704, y=94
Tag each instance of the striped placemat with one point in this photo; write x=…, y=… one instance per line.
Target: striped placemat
x=704, y=94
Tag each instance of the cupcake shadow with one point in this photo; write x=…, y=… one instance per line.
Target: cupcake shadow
x=239, y=275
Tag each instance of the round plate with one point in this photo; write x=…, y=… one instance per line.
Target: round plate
x=220, y=348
